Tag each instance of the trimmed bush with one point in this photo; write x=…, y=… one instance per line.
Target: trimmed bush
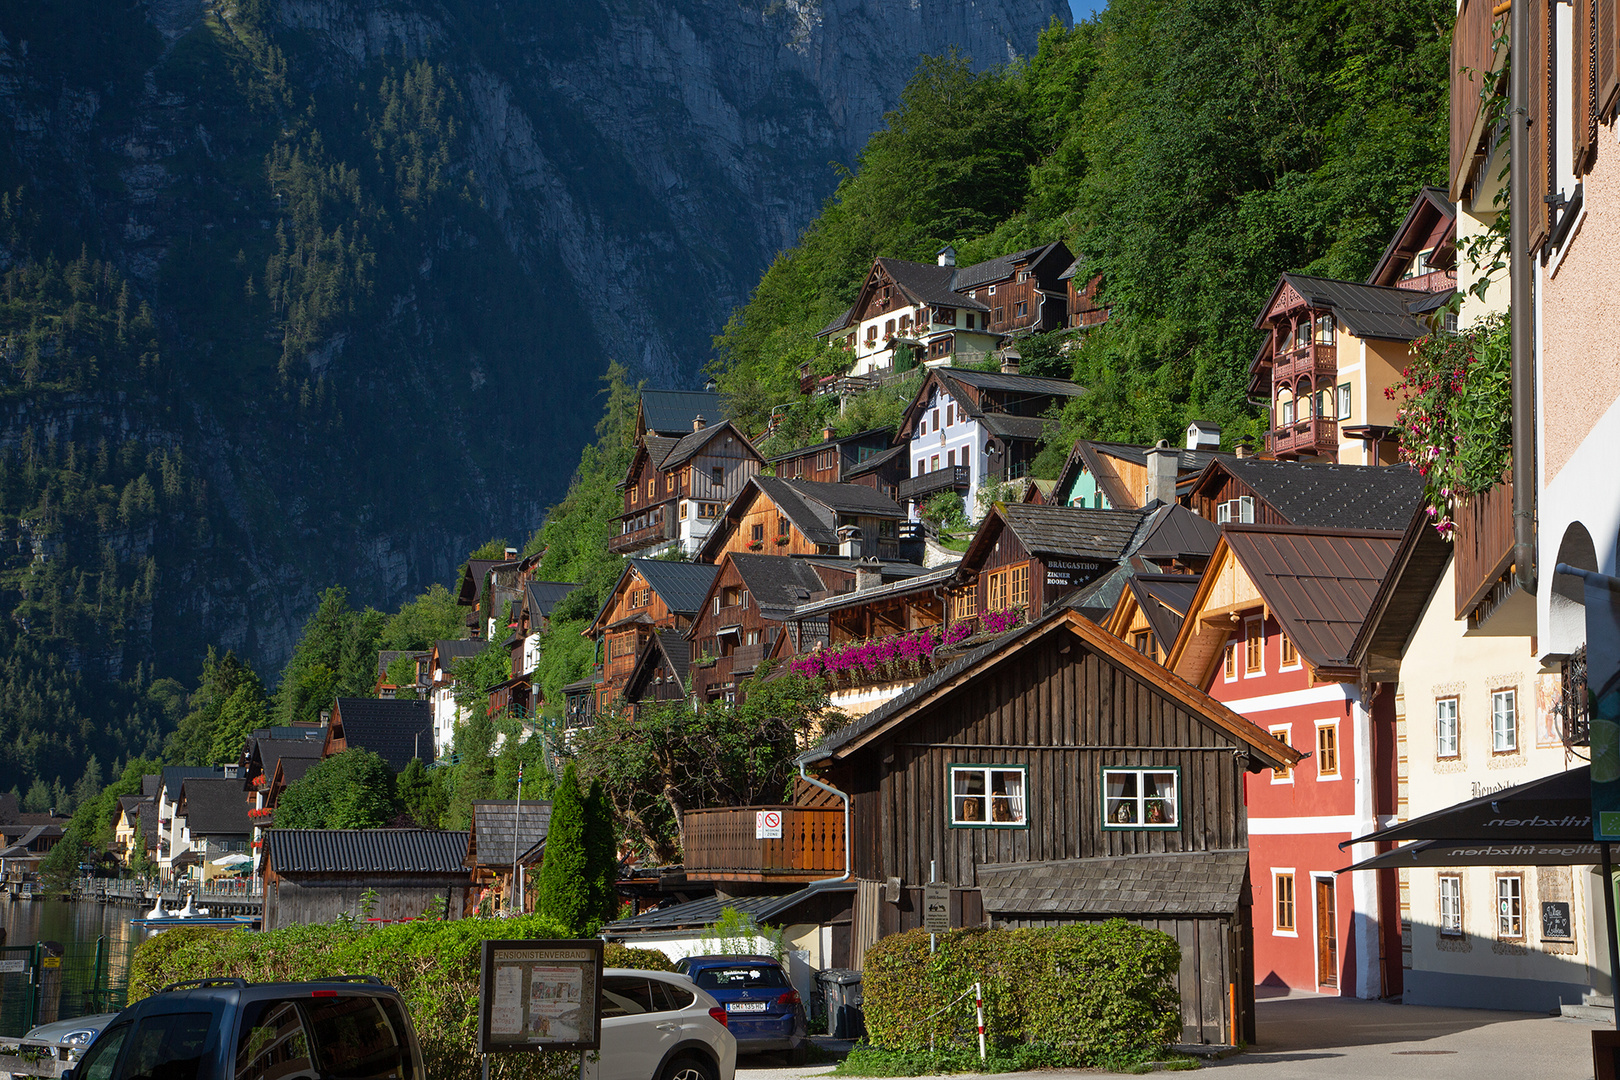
x=1092, y=991
x=434, y=966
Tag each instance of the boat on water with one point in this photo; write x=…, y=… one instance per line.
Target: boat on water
x=160, y=918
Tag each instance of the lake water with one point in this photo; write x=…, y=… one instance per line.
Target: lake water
x=77, y=926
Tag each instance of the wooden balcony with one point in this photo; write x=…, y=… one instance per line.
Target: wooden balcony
x=1482, y=546
x=950, y=478
x=661, y=529
x=720, y=845
x=1473, y=57
x=1312, y=361
x=1317, y=436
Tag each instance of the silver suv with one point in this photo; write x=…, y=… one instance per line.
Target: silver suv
x=657, y=1025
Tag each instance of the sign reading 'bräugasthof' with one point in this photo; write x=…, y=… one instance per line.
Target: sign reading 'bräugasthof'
x=540, y=995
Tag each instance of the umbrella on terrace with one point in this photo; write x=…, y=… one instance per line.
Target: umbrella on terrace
x=234, y=859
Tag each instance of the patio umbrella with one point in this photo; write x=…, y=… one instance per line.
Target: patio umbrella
x=234, y=859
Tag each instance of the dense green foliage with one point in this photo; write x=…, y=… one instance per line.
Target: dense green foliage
x=352, y=790
x=579, y=875
x=1087, y=993
x=1187, y=152
x=669, y=759
x=88, y=839
x=433, y=964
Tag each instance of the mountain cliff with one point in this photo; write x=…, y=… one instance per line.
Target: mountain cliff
x=309, y=291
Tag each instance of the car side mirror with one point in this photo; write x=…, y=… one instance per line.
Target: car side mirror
x=67, y=1074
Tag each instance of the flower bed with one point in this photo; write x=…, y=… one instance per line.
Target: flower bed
x=897, y=656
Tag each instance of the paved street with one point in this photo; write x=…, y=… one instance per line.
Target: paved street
x=1311, y=1036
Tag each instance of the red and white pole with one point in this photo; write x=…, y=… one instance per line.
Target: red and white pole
x=978, y=1010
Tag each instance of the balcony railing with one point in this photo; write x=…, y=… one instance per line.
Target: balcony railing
x=721, y=844
x=661, y=529
x=1311, y=360
x=950, y=478
x=1317, y=435
x=1482, y=545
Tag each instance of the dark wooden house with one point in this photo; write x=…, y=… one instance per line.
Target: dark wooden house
x=315, y=875
x=651, y=595
x=773, y=516
x=1256, y=491
x=661, y=671
x=396, y=731
x=827, y=461
x=1086, y=306
x=505, y=836
x=1057, y=776
x=742, y=618
x=675, y=488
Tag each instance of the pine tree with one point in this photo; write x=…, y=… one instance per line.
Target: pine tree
x=566, y=894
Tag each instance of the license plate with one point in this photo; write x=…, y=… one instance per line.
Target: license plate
x=745, y=1006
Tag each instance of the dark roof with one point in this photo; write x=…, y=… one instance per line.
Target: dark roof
x=995, y=380
x=389, y=729
x=175, y=775
x=497, y=822
x=838, y=323
x=672, y=411
x=1027, y=428
x=876, y=461
x=776, y=581
x=543, y=595
x=1367, y=311
x=1425, y=302
x=1437, y=197
x=293, y=769
x=1325, y=496
x=1418, y=565
x=1098, y=598
x=838, y=440
x=929, y=283
x=999, y=268
x=272, y=751
x=366, y=851
x=451, y=651
x=133, y=805
x=928, y=580
x=1187, y=461
x=1072, y=530
x=681, y=585
x=676, y=650
x=815, y=507
x=1319, y=584
x=1164, y=600
x=149, y=785
x=694, y=441
x=764, y=909
x=1176, y=532
x=215, y=807
x=472, y=580
x=1173, y=883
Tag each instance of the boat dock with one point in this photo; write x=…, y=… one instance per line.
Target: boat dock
x=220, y=900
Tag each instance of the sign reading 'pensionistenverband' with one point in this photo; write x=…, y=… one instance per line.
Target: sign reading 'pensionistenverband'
x=540, y=995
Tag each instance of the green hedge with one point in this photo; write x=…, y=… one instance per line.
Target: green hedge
x=434, y=965
x=1093, y=991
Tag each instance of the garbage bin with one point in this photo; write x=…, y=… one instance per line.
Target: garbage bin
x=841, y=991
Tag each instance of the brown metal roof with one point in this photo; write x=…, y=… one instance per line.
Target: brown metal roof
x=1418, y=566
x=1319, y=583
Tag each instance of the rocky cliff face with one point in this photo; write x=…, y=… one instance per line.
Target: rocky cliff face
x=389, y=246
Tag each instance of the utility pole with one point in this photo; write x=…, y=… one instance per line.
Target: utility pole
x=517, y=821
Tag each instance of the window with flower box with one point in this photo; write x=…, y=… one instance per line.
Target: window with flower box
x=989, y=796
x=1141, y=798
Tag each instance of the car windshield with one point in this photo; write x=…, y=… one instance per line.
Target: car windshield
x=740, y=977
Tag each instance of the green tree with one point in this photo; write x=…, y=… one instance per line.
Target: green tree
x=433, y=616
x=601, y=855
x=246, y=711
x=193, y=742
x=352, y=790
x=38, y=799
x=310, y=680
x=422, y=794
x=88, y=838
x=567, y=895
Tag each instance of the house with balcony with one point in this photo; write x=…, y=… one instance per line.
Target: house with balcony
x=417, y=680
x=741, y=619
x=262, y=761
x=651, y=595
x=674, y=489
x=773, y=516
x=661, y=672
x=967, y=429
x=1270, y=632
x=1333, y=347
x=911, y=314
x=172, y=844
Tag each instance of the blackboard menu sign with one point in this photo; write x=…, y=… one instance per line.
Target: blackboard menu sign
x=1555, y=920
x=540, y=995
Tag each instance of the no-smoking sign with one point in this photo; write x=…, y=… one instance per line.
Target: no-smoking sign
x=767, y=824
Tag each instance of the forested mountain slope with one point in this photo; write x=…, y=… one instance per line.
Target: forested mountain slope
x=302, y=292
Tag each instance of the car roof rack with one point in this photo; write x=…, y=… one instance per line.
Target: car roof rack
x=203, y=984
x=370, y=979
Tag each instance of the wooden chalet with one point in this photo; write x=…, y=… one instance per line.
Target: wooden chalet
x=1119, y=476
x=674, y=489
x=868, y=458
x=1086, y=307
x=505, y=836
x=944, y=314
x=661, y=671
x=967, y=428
x=1150, y=611
x=1317, y=412
x=316, y=875
x=741, y=620
x=1057, y=776
x=395, y=731
x=670, y=413
x=800, y=517
x=1309, y=494
x=650, y=595
x=872, y=608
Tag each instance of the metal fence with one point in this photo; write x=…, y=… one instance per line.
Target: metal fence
x=45, y=982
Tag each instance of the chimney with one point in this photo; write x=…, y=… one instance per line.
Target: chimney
x=698, y=423
x=511, y=554
x=1203, y=435
x=1244, y=448
x=868, y=574
x=1162, y=462
x=826, y=434
x=1010, y=360
x=947, y=256
x=850, y=542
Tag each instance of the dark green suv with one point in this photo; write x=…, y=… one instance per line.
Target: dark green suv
x=229, y=1029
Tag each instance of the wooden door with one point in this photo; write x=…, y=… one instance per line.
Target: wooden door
x=1327, y=935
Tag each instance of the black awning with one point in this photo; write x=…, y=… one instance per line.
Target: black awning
x=1554, y=810
x=1443, y=853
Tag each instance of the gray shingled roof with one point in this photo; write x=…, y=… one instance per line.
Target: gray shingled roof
x=847, y=498
x=1173, y=883
x=1333, y=496
x=838, y=323
x=876, y=461
x=1164, y=600
x=175, y=775
x=544, y=595
x=997, y=269
x=215, y=806
x=1026, y=428
x=395, y=731
x=672, y=410
x=658, y=448
x=764, y=909
x=777, y=581
x=1028, y=384
x=681, y=585
x=929, y=283
x=1367, y=311
x=1072, y=530
x=451, y=651
x=1176, y=532
x=366, y=851
x=692, y=442
x=814, y=507
x=496, y=822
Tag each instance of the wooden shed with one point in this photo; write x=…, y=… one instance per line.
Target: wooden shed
x=315, y=875
x=1036, y=774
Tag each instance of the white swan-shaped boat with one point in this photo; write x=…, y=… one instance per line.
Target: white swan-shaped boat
x=187, y=912
x=157, y=911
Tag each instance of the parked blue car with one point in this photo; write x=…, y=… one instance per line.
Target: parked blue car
x=763, y=1010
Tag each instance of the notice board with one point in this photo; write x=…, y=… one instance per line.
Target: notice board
x=540, y=995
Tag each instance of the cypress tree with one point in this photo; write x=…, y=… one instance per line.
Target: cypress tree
x=566, y=891
x=601, y=854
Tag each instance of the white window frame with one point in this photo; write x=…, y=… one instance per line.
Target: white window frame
x=1299, y=660
x=1280, y=872
x=1138, y=800
x=1283, y=733
x=1018, y=804
x=1443, y=719
x=1451, y=921
x=1505, y=737
x=1344, y=401
x=1338, y=752
x=1510, y=907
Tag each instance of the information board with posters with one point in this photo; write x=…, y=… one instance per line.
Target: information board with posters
x=540, y=995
